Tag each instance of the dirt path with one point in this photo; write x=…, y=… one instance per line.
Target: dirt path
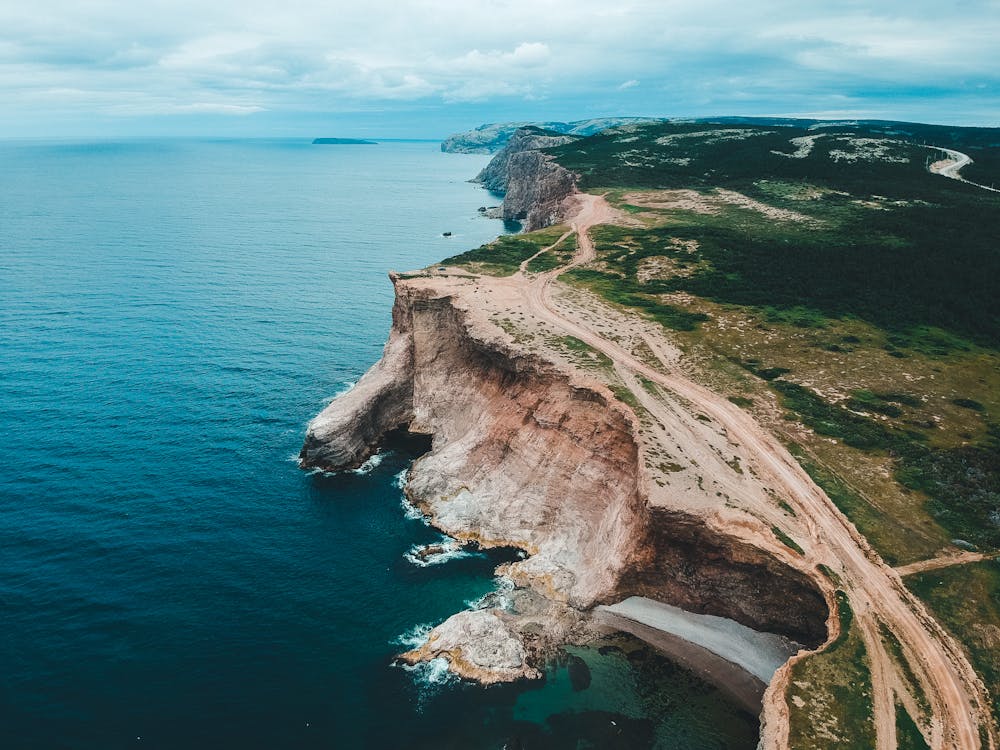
x=876, y=592
x=946, y=560
x=952, y=166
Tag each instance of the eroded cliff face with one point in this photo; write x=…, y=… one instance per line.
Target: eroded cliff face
x=533, y=184
x=526, y=453
x=536, y=190
x=523, y=454
x=496, y=175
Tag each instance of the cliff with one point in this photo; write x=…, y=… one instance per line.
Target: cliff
x=491, y=137
x=533, y=184
x=531, y=454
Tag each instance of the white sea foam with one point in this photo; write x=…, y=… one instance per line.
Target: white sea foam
x=411, y=511
x=369, y=466
x=451, y=549
x=501, y=597
x=415, y=637
x=401, y=477
x=431, y=677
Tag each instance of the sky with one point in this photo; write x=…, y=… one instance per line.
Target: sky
x=427, y=68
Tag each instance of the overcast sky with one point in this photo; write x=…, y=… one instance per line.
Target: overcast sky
x=425, y=68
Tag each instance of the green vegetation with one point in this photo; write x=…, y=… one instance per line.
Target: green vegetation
x=555, y=257
x=968, y=403
x=622, y=292
x=786, y=540
x=503, y=256
x=885, y=533
x=584, y=354
x=963, y=483
x=830, y=693
x=919, y=259
x=966, y=599
x=908, y=735
x=626, y=396
x=741, y=401
x=895, y=648
x=854, y=252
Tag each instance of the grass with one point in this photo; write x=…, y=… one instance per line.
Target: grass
x=628, y=294
x=895, y=648
x=908, y=735
x=555, y=257
x=962, y=483
x=584, y=354
x=834, y=689
x=966, y=599
x=503, y=256
x=626, y=396
x=786, y=540
x=918, y=258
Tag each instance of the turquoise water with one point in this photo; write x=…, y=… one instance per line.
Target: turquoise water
x=172, y=313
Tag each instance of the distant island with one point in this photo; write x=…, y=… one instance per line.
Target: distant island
x=342, y=142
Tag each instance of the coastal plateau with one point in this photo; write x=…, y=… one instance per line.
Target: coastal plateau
x=602, y=394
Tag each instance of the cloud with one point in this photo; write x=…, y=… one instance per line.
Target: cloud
x=200, y=57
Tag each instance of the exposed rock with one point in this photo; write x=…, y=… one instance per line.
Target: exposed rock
x=530, y=455
x=478, y=646
x=536, y=190
x=496, y=175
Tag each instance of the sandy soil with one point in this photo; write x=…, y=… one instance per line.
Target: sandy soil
x=945, y=560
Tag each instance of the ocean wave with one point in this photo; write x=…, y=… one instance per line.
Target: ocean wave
x=415, y=637
x=501, y=597
x=431, y=678
x=371, y=464
x=401, y=477
x=412, y=512
x=436, y=553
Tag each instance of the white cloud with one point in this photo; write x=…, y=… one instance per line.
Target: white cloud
x=247, y=56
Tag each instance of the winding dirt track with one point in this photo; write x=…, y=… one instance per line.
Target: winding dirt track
x=958, y=701
x=952, y=166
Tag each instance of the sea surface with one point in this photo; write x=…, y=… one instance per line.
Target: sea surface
x=172, y=313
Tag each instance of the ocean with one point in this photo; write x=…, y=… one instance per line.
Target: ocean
x=172, y=313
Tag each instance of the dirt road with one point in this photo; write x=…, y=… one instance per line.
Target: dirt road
x=877, y=595
x=952, y=166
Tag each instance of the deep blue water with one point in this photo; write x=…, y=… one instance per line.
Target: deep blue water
x=172, y=312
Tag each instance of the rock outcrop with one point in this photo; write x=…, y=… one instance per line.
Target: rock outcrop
x=533, y=184
x=496, y=175
x=478, y=645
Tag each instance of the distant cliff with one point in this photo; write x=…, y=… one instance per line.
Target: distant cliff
x=533, y=184
x=496, y=175
x=490, y=138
